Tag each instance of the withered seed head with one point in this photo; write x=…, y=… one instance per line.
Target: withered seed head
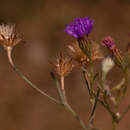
x=97, y=53
x=8, y=36
x=64, y=65
x=78, y=55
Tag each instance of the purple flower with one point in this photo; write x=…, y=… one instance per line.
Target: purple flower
x=79, y=27
x=108, y=42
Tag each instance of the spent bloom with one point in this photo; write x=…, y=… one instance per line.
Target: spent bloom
x=77, y=54
x=8, y=39
x=108, y=42
x=8, y=36
x=80, y=27
x=80, y=57
x=64, y=65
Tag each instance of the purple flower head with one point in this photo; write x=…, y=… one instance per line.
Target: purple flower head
x=108, y=42
x=79, y=27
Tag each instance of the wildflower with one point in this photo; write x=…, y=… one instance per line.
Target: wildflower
x=8, y=36
x=80, y=27
x=108, y=42
x=64, y=65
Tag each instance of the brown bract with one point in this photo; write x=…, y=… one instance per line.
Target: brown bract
x=79, y=56
x=97, y=53
x=8, y=36
x=64, y=65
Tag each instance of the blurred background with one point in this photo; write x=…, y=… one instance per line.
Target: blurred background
x=42, y=24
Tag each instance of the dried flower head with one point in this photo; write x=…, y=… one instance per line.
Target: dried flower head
x=119, y=58
x=91, y=49
x=64, y=65
x=8, y=36
x=108, y=42
x=97, y=53
x=80, y=27
x=78, y=55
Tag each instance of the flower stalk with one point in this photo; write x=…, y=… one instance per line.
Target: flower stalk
x=15, y=69
x=64, y=101
x=63, y=89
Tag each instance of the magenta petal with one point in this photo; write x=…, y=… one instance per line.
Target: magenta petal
x=79, y=27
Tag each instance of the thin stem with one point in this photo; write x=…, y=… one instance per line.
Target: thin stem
x=26, y=79
x=91, y=74
x=106, y=106
x=126, y=80
x=63, y=88
x=9, y=53
x=87, y=83
x=113, y=125
x=124, y=86
x=76, y=116
x=124, y=113
x=58, y=88
x=66, y=105
x=94, y=108
x=64, y=102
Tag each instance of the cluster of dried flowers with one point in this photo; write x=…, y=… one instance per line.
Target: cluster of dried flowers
x=82, y=54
